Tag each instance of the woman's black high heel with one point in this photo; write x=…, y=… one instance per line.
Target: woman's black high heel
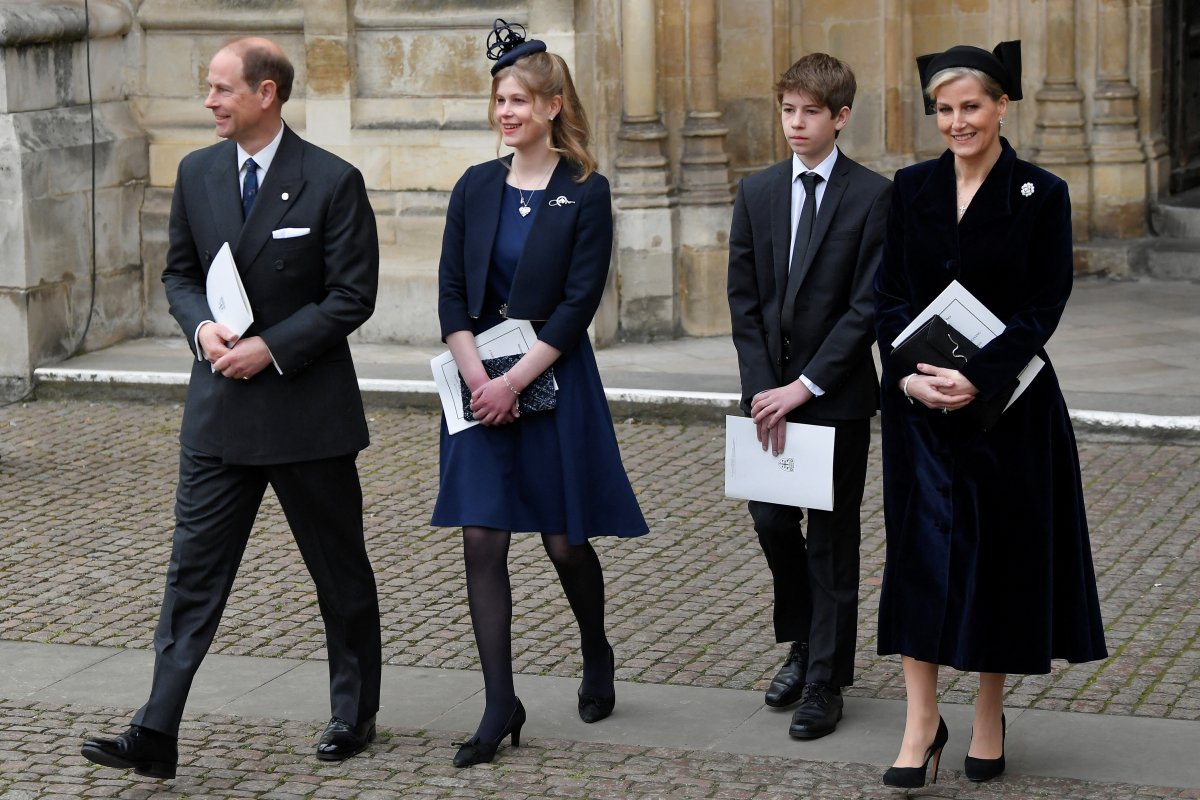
x=984, y=769
x=477, y=751
x=914, y=777
x=593, y=708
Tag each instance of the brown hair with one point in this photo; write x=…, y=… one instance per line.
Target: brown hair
x=262, y=60
x=826, y=80
x=545, y=75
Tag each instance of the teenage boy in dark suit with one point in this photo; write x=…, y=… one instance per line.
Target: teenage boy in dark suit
x=805, y=241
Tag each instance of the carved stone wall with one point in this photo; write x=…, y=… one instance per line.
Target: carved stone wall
x=54, y=297
x=678, y=91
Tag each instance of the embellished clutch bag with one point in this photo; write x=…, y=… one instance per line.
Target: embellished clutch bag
x=537, y=396
x=937, y=342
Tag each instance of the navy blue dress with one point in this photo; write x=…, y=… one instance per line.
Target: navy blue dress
x=554, y=471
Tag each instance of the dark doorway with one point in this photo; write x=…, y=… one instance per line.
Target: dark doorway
x=1183, y=92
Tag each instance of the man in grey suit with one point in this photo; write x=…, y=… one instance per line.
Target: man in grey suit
x=804, y=245
x=279, y=405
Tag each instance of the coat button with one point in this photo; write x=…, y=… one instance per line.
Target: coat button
x=279, y=265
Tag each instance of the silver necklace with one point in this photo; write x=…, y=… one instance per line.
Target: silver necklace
x=525, y=209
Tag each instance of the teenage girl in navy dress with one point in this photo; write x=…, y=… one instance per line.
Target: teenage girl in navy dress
x=530, y=237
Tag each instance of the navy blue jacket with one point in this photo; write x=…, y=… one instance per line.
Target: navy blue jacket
x=561, y=275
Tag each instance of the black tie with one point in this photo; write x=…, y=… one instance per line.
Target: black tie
x=804, y=226
x=250, y=187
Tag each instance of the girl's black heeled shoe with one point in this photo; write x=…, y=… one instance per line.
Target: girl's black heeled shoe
x=914, y=777
x=476, y=751
x=984, y=769
x=593, y=708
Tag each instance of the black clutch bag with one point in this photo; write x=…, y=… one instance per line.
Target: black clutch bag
x=937, y=342
x=537, y=396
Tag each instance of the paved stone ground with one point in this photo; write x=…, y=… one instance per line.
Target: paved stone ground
x=268, y=759
x=85, y=516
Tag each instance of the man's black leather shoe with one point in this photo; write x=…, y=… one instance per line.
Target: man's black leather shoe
x=788, y=684
x=142, y=750
x=342, y=740
x=819, y=712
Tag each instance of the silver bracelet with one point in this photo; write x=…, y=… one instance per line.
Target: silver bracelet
x=904, y=387
x=509, y=385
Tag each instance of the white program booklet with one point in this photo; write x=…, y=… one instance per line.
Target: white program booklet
x=226, y=295
x=972, y=319
x=802, y=475
x=513, y=337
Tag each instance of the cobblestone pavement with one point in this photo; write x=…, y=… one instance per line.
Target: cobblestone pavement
x=86, y=492
x=267, y=759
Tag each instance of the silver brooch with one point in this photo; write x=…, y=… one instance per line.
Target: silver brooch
x=1026, y=189
x=561, y=200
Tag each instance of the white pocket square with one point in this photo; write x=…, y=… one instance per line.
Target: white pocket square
x=289, y=233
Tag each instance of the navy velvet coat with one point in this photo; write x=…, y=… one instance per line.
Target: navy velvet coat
x=989, y=562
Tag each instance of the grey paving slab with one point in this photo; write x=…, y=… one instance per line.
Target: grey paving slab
x=1126, y=749
x=1135, y=750
x=299, y=692
x=122, y=679
x=28, y=667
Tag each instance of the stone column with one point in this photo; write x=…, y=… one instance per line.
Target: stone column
x=705, y=195
x=73, y=166
x=328, y=41
x=1060, y=136
x=645, y=236
x=1119, y=169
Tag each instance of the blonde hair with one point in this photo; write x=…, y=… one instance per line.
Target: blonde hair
x=545, y=75
x=991, y=86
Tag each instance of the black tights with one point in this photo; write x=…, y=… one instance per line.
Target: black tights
x=490, y=599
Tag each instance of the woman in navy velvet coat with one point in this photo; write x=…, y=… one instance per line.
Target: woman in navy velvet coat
x=988, y=558
x=530, y=237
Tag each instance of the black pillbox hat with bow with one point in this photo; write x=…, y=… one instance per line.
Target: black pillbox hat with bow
x=1003, y=64
x=507, y=43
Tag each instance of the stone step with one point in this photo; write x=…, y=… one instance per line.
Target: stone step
x=1177, y=216
x=1170, y=258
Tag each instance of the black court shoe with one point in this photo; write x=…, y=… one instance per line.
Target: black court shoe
x=914, y=777
x=142, y=750
x=592, y=707
x=984, y=769
x=476, y=751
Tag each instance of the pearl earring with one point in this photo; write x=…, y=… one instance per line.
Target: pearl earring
x=1002, y=122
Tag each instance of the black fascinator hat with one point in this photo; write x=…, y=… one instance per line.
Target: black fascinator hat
x=507, y=43
x=1003, y=64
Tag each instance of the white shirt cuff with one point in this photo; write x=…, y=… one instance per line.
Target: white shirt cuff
x=812, y=387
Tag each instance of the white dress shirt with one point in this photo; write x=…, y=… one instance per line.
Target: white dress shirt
x=824, y=169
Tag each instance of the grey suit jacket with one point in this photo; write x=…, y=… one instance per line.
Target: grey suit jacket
x=832, y=293
x=308, y=294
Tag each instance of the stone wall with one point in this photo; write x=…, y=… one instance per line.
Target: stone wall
x=56, y=295
x=678, y=91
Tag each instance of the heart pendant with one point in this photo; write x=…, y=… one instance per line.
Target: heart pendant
x=525, y=210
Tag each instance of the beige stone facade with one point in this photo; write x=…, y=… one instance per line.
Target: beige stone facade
x=678, y=91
